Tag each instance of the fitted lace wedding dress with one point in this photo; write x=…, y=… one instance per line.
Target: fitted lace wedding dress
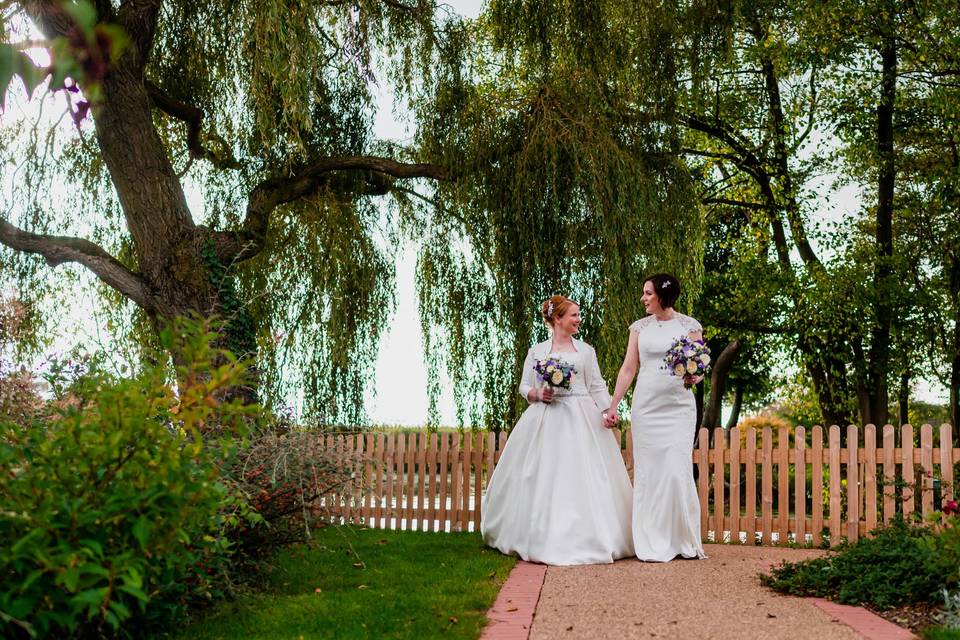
x=560, y=493
x=666, y=509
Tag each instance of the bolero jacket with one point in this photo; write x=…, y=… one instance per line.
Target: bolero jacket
x=592, y=378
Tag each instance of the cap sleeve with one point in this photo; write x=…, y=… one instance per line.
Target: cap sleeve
x=691, y=324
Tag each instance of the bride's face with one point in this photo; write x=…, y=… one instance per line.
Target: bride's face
x=570, y=322
x=651, y=301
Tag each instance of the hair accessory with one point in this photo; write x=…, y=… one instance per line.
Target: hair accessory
x=550, y=309
x=665, y=285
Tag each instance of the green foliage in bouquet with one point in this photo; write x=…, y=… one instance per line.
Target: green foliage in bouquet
x=114, y=509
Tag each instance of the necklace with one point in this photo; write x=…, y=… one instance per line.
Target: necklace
x=660, y=322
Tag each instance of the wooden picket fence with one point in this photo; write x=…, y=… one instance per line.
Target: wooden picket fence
x=755, y=488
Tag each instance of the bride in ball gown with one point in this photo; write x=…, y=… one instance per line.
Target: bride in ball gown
x=560, y=493
x=666, y=509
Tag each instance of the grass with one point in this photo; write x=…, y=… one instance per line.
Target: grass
x=367, y=583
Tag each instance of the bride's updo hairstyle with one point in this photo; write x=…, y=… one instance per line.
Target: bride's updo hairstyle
x=555, y=307
x=667, y=288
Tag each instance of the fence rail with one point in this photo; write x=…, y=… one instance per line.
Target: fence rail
x=754, y=487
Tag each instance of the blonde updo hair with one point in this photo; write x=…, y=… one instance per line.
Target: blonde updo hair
x=555, y=307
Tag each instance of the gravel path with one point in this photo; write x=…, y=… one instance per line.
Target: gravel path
x=716, y=598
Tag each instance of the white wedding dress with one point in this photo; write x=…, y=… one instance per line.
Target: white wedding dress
x=666, y=509
x=560, y=493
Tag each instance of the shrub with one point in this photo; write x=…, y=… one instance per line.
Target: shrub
x=288, y=475
x=897, y=566
x=114, y=508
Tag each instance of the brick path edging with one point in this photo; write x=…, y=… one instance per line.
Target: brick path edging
x=511, y=615
x=864, y=622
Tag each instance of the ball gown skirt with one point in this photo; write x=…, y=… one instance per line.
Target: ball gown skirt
x=560, y=494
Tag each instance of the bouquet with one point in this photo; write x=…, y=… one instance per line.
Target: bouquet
x=688, y=357
x=555, y=372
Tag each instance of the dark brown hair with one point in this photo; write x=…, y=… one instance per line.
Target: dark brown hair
x=667, y=288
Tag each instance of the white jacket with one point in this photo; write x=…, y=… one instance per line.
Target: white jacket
x=592, y=377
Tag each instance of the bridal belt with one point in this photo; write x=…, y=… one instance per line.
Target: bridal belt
x=563, y=393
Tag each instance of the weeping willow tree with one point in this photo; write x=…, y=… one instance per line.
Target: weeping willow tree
x=563, y=137
x=545, y=160
x=265, y=109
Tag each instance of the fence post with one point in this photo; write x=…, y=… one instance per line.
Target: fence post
x=946, y=463
x=889, y=473
x=800, y=486
x=870, y=476
x=906, y=466
x=816, y=475
x=751, y=479
x=703, y=474
x=766, y=485
x=926, y=466
x=719, y=437
x=735, y=485
x=853, y=484
x=835, y=503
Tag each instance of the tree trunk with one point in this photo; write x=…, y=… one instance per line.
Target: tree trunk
x=718, y=381
x=903, y=400
x=878, y=364
x=174, y=256
x=735, y=409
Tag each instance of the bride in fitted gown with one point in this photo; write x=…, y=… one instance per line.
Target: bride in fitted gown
x=560, y=493
x=666, y=508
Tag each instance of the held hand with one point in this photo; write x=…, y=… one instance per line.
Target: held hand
x=546, y=395
x=611, y=418
x=691, y=380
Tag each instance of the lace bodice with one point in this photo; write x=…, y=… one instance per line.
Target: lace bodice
x=655, y=337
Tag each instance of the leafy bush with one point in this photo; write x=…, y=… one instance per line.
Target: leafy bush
x=114, y=508
x=899, y=565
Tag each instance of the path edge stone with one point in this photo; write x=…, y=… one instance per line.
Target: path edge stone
x=511, y=615
x=864, y=622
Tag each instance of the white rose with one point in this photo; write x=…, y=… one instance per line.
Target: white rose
x=679, y=370
x=705, y=358
x=691, y=366
x=557, y=377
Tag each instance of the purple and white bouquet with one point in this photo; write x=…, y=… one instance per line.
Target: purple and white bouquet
x=555, y=372
x=688, y=357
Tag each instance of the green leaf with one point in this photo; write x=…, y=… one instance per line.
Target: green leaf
x=7, y=57
x=136, y=592
x=83, y=13
x=120, y=609
x=31, y=75
x=70, y=579
x=141, y=531
x=93, y=597
x=94, y=546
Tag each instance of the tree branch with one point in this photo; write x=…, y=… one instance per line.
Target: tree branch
x=756, y=206
x=139, y=20
x=59, y=249
x=50, y=17
x=718, y=382
x=273, y=192
x=193, y=117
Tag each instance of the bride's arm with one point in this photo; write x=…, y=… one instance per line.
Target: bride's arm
x=528, y=381
x=628, y=371
x=596, y=386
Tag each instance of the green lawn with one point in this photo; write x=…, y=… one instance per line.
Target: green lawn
x=367, y=583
